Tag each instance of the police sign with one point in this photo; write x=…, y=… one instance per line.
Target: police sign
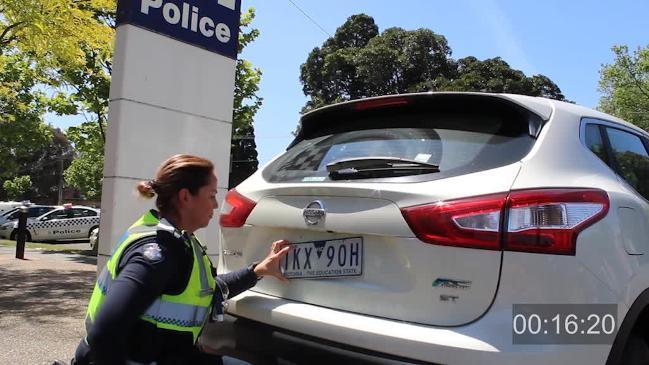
x=209, y=24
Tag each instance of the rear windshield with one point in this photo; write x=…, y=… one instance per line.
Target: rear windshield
x=457, y=144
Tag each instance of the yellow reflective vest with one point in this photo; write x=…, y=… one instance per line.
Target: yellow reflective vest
x=185, y=312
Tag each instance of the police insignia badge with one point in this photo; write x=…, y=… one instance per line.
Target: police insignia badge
x=152, y=251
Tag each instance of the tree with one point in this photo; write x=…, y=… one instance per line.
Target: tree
x=28, y=146
x=243, y=156
x=22, y=107
x=543, y=86
x=47, y=45
x=243, y=150
x=89, y=82
x=330, y=74
x=86, y=170
x=17, y=186
x=358, y=62
x=45, y=167
x=495, y=75
x=625, y=86
x=52, y=30
x=635, y=169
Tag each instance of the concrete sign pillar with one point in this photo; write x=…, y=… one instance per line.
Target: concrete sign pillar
x=171, y=92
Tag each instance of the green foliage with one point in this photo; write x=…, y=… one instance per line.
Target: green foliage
x=243, y=156
x=21, y=113
x=329, y=73
x=89, y=81
x=358, y=62
x=243, y=152
x=246, y=101
x=399, y=61
x=53, y=30
x=45, y=166
x=47, y=45
x=17, y=186
x=67, y=46
x=495, y=75
x=635, y=170
x=247, y=78
x=86, y=171
x=85, y=174
x=625, y=86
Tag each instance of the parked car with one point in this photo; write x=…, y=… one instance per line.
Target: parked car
x=418, y=222
x=93, y=240
x=61, y=223
x=33, y=211
x=6, y=206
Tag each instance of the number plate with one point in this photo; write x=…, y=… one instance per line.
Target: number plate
x=324, y=259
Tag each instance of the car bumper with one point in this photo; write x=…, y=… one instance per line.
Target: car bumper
x=260, y=325
x=259, y=343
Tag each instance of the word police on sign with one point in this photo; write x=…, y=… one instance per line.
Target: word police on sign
x=209, y=24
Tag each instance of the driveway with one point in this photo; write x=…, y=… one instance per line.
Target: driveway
x=43, y=301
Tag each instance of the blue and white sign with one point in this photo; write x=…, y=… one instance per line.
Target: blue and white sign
x=209, y=24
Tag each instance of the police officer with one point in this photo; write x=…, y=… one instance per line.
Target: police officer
x=157, y=290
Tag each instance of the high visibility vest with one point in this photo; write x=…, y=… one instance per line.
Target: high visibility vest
x=185, y=312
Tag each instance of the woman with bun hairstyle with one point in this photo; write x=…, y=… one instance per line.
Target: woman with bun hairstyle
x=159, y=287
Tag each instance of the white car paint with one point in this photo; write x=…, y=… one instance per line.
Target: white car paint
x=62, y=223
x=393, y=309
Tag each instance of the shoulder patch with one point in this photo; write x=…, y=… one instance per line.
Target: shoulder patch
x=152, y=251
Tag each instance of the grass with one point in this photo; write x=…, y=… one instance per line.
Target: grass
x=47, y=247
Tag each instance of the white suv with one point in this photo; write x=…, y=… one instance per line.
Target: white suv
x=446, y=228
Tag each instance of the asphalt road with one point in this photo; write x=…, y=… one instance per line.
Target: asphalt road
x=43, y=301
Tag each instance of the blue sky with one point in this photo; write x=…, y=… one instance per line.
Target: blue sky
x=567, y=41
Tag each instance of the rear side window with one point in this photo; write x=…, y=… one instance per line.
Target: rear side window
x=594, y=141
x=79, y=212
x=631, y=158
x=60, y=214
x=35, y=212
x=39, y=211
x=456, y=143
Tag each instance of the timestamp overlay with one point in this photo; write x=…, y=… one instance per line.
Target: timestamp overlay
x=564, y=324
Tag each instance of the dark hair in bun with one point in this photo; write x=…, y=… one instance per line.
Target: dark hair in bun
x=176, y=173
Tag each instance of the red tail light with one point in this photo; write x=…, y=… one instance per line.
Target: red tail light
x=542, y=221
x=473, y=222
x=235, y=210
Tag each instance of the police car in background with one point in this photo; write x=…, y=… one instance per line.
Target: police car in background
x=65, y=222
x=7, y=206
x=33, y=211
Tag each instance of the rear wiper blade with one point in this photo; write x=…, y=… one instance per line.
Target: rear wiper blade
x=378, y=167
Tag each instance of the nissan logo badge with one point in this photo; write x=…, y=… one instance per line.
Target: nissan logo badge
x=314, y=212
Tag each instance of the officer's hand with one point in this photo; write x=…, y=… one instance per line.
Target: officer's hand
x=269, y=266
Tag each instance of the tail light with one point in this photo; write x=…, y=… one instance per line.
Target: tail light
x=235, y=210
x=549, y=221
x=473, y=222
x=541, y=221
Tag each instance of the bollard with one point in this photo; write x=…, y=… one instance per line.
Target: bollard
x=22, y=230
